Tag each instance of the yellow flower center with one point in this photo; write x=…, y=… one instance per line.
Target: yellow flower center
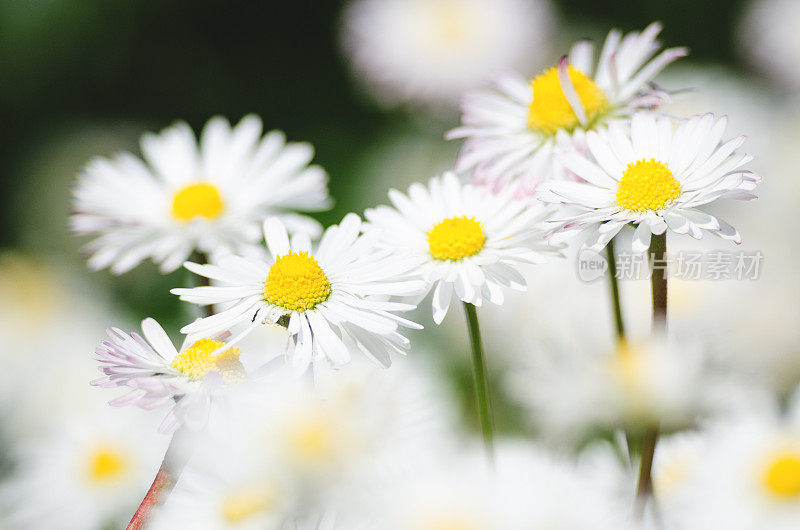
x=246, y=502
x=450, y=23
x=312, y=439
x=550, y=111
x=452, y=522
x=296, y=282
x=782, y=475
x=456, y=238
x=196, y=361
x=672, y=474
x=106, y=464
x=197, y=200
x=647, y=185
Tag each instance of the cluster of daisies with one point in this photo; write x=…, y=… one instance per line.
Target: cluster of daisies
x=277, y=417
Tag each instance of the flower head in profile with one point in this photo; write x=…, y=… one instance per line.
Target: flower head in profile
x=158, y=374
x=513, y=130
x=431, y=51
x=468, y=241
x=658, y=177
x=332, y=299
x=181, y=197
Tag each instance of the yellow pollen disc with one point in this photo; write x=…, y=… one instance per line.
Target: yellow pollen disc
x=296, y=282
x=450, y=23
x=628, y=366
x=106, y=464
x=196, y=361
x=197, y=200
x=782, y=475
x=312, y=439
x=647, y=185
x=244, y=503
x=448, y=523
x=550, y=111
x=456, y=238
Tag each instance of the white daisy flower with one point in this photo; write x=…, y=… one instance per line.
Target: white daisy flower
x=528, y=489
x=747, y=478
x=158, y=374
x=656, y=178
x=293, y=448
x=334, y=298
x=225, y=492
x=431, y=51
x=468, y=241
x=570, y=394
x=512, y=131
x=87, y=472
x=183, y=197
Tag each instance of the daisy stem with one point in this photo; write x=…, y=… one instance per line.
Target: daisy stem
x=658, y=279
x=203, y=281
x=616, y=307
x=481, y=384
x=174, y=461
x=614, y=283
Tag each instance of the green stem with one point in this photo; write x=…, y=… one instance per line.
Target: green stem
x=644, y=488
x=616, y=307
x=614, y=283
x=481, y=384
x=658, y=252
x=658, y=279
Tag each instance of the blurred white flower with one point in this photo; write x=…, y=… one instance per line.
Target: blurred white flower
x=289, y=450
x=334, y=297
x=88, y=472
x=656, y=177
x=157, y=374
x=512, y=131
x=469, y=241
x=183, y=197
x=529, y=489
x=767, y=37
x=570, y=393
x=747, y=477
x=431, y=51
x=226, y=492
x=49, y=320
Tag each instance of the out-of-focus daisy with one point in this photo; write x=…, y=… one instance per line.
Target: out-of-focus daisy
x=183, y=197
x=748, y=477
x=512, y=130
x=87, y=472
x=288, y=448
x=226, y=492
x=766, y=36
x=49, y=319
x=572, y=393
x=334, y=297
x=468, y=241
x=656, y=178
x=430, y=51
x=529, y=489
x=158, y=373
